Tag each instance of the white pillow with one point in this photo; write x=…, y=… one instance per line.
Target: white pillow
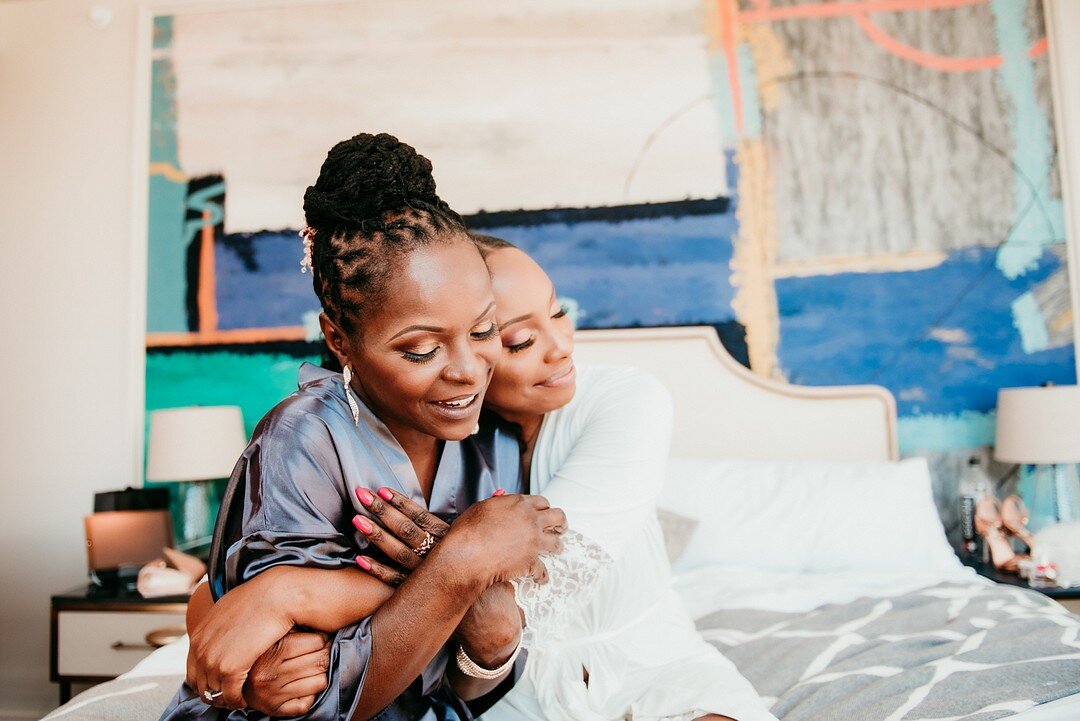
x=813, y=517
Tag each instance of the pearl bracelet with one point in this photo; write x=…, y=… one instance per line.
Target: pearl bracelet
x=471, y=668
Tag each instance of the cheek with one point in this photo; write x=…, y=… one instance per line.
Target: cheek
x=508, y=383
x=491, y=352
x=401, y=385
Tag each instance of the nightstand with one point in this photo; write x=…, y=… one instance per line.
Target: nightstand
x=1067, y=597
x=97, y=634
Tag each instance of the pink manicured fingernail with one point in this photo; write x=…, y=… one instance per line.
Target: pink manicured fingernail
x=386, y=494
x=365, y=497
x=363, y=563
x=499, y=492
x=362, y=524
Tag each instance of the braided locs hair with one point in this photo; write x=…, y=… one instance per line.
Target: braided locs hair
x=373, y=203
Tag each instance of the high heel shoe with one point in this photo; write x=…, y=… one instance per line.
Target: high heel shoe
x=1014, y=516
x=988, y=525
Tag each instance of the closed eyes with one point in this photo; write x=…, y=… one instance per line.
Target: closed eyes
x=479, y=335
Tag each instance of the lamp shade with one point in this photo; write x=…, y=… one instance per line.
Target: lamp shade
x=195, y=443
x=1038, y=425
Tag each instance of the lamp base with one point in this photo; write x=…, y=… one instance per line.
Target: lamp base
x=1052, y=494
x=196, y=520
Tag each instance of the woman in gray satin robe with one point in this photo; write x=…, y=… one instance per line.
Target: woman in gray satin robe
x=400, y=283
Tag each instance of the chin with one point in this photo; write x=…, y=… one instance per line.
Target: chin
x=457, y=431
x=556, y=398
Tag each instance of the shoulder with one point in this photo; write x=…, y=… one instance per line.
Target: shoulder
x=309, y=413
x=613, y=399
x=625, y=387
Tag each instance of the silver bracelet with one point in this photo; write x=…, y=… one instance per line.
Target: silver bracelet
x=471, y=668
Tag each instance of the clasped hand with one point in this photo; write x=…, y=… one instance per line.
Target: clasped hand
x=500, y=539
x=405, y=532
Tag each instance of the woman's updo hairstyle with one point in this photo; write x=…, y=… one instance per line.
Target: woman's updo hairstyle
x=374, y=201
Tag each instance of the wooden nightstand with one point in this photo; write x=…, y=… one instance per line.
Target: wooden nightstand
x=98, y=634
x=1067, y=597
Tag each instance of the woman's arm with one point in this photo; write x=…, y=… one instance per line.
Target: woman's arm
x=490, y=631
x=286, y=679
x=318, y=598
x=492, y=541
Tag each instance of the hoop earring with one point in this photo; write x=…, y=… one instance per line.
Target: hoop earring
x=346, y=374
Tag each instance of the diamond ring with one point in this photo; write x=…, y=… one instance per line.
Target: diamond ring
x=426, y=545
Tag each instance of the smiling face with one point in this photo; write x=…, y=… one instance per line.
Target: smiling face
x=535, y=374
x=423, y=356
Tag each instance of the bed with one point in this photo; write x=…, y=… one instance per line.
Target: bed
x=806, y=552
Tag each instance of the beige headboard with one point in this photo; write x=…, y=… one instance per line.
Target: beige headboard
x=724, y=411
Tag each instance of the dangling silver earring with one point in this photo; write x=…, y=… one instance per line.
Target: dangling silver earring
x=346, y=374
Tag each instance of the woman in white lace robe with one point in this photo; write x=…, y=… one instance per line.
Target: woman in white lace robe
x=607, y=637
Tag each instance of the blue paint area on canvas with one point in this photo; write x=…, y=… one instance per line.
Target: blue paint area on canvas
x=664, y=271
x=259, y=283
x=654, y=271
x=876, y=328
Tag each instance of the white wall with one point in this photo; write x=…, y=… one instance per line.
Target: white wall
x=66, y=94
x=66, y=420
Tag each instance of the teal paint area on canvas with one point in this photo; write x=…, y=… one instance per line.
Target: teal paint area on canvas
x=166, y=245
x=255, y=381
x=1039, y=218
x=942, y=432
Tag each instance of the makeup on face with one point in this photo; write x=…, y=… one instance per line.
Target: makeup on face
x=536, y=372
x=425, y=357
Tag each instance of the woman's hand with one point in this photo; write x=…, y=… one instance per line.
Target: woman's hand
x=506, y=533
x=286, y=680
x=238, y=629
x=403, y=530
x=505, y=536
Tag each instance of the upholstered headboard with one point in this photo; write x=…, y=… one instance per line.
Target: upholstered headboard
x=724, y=411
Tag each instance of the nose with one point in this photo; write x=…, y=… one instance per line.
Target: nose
x=560, y=348
x=465, y=367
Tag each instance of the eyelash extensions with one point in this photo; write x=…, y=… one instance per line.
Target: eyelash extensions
x=425, y=357
x=525, y=344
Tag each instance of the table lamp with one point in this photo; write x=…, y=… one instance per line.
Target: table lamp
x=196, y=444
x=1041, y=427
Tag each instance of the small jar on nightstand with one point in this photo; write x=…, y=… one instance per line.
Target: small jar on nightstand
x=97, y=634
x=1067, y=597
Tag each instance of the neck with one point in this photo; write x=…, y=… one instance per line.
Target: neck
x=423, y=452
x=528, y=425
x=529, y=429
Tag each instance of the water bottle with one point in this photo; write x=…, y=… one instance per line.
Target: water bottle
x=974, y=484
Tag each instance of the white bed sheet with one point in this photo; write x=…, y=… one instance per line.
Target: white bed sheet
x=168, y=660
x=706, y=590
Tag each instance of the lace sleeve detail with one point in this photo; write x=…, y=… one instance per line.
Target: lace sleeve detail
x=572, y=579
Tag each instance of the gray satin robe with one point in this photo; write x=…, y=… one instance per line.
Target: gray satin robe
x=291, y=499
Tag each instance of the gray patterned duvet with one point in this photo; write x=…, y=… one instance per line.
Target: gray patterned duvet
x=948, y=652
x=953, y=651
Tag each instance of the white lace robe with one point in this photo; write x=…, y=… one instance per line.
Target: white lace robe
x=608, y=607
